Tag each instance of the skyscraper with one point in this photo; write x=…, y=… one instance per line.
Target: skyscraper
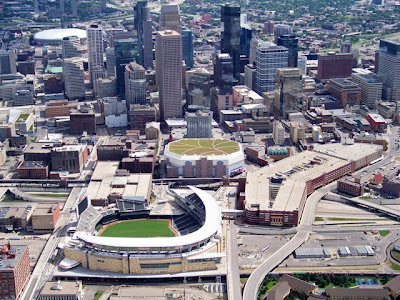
x=371, y=87
x=292, y=43
x=71, y=47
x=281, y=29
x=125, y=52
x=187, y=47
x=95, y=47
x=7, y=62
x=110, y=59
x=144, y=28
x=332, y=65
x=269, y=58
x=170, y=18
x=223, y=73
x=135, y=84
x=199, y=124
x=389, y=69
x=169, y=73
x=198, y=87
x=253, y=49
x=230, y=31
x=246, y=35
x=74, y=78
x=288, y=91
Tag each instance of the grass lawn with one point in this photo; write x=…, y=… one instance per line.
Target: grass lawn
x=395, y=254
x=384, y=232
x=318, y=219
x=203, y=147
x=353, y=219
x=394, y=266
x=98, y=295
x=22, y=118
x=139, y=228
x=50, y=195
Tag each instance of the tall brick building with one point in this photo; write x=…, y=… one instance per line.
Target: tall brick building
x=82, y=120
x=14, y=271
x=333, y=65
x=347, y=91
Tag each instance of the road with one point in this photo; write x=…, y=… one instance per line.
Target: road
x=305, y=226
x=233, y=277
x=43, y=271
x=304, y=230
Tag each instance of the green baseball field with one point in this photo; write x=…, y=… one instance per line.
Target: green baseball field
x=138, y=228
x=203, y=147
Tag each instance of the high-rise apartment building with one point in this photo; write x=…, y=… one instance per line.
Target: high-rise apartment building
x=135, y=84
x=94, y=47
x=292, y=43
x=198, y=87
x=71, y=47
x=199, y=124
x=281, y=29
x=7, y=62
x=187, y=47
x=269, y=58
x=389, y=69
x=371, y=87
x=288, y=91
x=230, y=35
x=125, y=52
x=144, y=28
x=170, y=18
x=333, y=65
x=169, y=73
x=74, y=78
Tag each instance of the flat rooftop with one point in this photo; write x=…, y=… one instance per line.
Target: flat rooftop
x=8, y=262
x=295, y=171
x=63, y=288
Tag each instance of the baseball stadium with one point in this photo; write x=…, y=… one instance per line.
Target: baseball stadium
x=203, y=158
x=125, y=238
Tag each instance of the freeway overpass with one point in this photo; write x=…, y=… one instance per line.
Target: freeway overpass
x=304, y=230
x=394, y=213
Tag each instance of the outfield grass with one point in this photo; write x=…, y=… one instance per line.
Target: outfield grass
x=203, y=147
x=139, y=228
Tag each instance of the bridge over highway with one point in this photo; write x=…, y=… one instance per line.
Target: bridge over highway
x=304, y=230
x=394, y=213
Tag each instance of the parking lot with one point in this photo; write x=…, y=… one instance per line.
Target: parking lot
x=342, y=239
x=253, y=249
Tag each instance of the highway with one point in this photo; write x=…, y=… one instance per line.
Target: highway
x=39, y=277
x=370, y=205
x=233, y=276
x=305, y=226
x=304, y=230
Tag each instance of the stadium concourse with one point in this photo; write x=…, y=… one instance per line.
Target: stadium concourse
x=203, y=158
x=189, y=251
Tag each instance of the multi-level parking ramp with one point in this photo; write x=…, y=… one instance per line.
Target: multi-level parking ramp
x=304, y=230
